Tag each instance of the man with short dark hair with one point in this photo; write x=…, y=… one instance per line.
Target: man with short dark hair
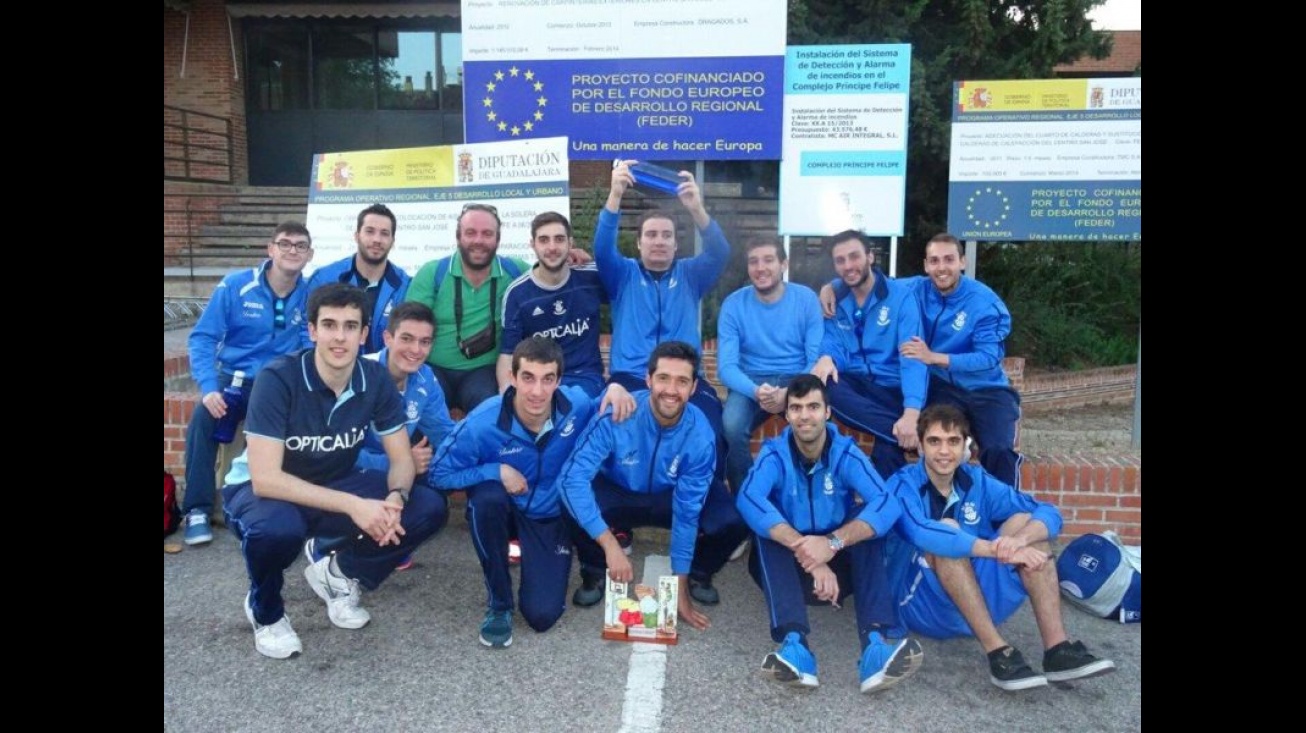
x=655, y=469
x=308, y=415
x=507, y=455
x=254, y=315
x=821, y=514
x=408, y=339
x=943, y=597
x=965, y=328
x=558, y=300
x=370, y=269
x=465, y=290
x=656, y=297
x=871, y=388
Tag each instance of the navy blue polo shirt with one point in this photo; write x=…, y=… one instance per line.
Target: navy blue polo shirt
x=322, y=433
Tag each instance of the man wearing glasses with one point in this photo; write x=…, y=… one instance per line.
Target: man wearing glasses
x=369, y=269
x=871, y=388
x=254, y=315
x=466, y=292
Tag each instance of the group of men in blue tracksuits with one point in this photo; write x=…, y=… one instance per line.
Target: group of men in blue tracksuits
x=939, y=547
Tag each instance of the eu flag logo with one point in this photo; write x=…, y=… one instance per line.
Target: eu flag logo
x=509, y=100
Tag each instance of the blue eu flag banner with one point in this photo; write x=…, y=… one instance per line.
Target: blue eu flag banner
x=515, y=99
x=717, y=108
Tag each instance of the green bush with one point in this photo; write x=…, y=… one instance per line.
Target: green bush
x=1073, y=305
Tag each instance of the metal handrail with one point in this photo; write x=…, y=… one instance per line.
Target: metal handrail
x=200, y=144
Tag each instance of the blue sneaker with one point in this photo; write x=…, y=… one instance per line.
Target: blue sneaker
x=886, y=662
x=496, y=629
x=792, y=663
x=198, y=531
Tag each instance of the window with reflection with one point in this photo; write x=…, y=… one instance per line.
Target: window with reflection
x=388, y=64
x=344, y=67
x=278, y=67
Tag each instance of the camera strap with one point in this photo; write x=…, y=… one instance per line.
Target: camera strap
x=458, y=306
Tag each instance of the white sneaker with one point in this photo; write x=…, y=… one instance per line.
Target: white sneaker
x=341, y=595
x=278, y=640
x=738, y=552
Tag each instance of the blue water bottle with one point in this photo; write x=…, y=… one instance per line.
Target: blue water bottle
x=656, y=177
x=234, y=396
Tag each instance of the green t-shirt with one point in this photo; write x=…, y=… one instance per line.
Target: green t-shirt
x=477, y=309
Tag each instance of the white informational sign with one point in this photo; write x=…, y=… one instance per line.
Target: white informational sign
x=656, y=79
x=426, y=189
x=1057, y=159
x=845, y=139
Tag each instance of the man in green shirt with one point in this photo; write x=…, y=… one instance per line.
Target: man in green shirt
x=466, y=293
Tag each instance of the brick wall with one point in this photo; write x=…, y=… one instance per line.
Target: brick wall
x=1094, y=493
x=211, y=83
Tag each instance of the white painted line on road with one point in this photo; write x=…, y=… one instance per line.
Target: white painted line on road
x=642, y=711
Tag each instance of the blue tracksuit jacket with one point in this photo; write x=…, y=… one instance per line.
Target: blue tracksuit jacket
x=393, y=289
x=237, y=331
x=889, y=317
x=971, y=325
x=648, y=310
x=982, y=502
x=641, y=456
x=424, y=410
x=491, y=435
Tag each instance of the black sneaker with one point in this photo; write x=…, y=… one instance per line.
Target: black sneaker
x=1008, y=670
x=1071, y=661
x=589, y=592
x=703, y=592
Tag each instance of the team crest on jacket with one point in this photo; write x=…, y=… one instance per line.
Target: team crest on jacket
x=569, y=428
x=412, y=410
x=969, y=515
x=829, y=485
x=630, y=459
x=959, y=322
x=388, y=306
x=674, y=468
x=883, y=320
x=558, y=308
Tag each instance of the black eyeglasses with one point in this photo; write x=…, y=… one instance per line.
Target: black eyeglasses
x=285, y=245
x=480, y=207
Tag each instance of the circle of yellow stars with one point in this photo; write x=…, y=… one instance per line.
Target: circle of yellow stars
x=981, y=196
x=536, y=86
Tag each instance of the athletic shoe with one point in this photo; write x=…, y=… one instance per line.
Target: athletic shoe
x=514, y=552
x=198, y=531
x=277, y=640
x=589, y=593
x=703, y=592
x=1008, y=670
x=886, y=662
x=341, y=595
x=1071, y=661
x=740, y=551
x=496, y=629
x=405, y=563
x=310, y=551
x=625, y=538
x=792, y=663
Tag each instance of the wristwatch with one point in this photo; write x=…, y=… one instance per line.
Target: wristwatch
x=403, y=495
x=836, y=544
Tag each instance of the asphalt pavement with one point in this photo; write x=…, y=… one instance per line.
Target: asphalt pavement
x=419, y=666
